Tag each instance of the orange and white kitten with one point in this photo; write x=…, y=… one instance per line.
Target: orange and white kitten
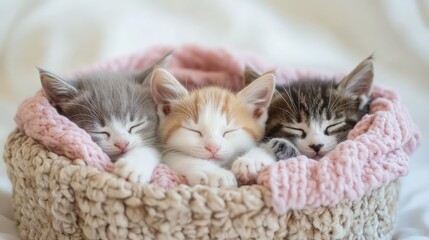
x=205, y=130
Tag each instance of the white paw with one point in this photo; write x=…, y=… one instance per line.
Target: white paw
x=218, y=177
x=134, y=170
x=246, y=169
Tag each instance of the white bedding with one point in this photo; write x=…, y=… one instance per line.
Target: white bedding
x=330, y=35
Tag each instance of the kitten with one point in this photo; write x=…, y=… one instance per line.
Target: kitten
x=117, y=111
x=204, y=130
x=310, y=117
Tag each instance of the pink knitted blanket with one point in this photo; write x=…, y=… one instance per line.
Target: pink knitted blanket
x=375, y=154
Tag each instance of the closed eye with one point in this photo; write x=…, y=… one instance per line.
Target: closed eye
x=333, y=127
x=135, y=126
x=229, y=131
x=193, y=130
x=297, y=131
x=101, y=133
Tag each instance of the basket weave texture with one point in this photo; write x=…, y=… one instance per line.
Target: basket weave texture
x=55, y=198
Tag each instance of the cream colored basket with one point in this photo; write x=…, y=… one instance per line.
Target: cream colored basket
x=57, y=199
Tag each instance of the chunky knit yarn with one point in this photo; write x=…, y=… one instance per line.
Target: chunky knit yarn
x=55, y=198
x=375, y=153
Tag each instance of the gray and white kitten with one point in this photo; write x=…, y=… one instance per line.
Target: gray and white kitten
x=311, y=116
x=118, y=112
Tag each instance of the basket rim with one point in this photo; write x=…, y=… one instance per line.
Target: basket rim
x=295, y=182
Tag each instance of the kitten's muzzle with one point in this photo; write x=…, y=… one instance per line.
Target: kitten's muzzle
x=122, y=146
x=316, y=147
x=213, y=149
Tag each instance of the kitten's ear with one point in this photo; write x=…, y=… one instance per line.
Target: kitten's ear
x=259, y=93
x=359, y=81
x=250, y=75
x=165, y=89
x=57, y=90
x=141, y=77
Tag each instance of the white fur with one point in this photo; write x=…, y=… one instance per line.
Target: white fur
x=315, y=135
x=137, y=165
x=139, y=160
x=186, y=148
x=119, y=132
x=199, y=171
x=247, y=167
x=212, y=124
x=194, y=161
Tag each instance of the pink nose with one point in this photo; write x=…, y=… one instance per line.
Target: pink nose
x=121, y=145
x=212, y=148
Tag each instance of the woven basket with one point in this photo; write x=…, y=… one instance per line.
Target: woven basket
x=55, y=198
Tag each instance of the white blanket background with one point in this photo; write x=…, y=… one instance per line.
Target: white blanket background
x=319, y=35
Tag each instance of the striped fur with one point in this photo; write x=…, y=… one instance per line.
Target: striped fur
x=314, y=115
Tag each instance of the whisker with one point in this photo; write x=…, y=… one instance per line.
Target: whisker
x=286, y=111
x=289, y=94
x=287, y=103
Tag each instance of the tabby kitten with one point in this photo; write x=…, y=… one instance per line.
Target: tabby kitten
x=310, y=117
x=205, y=130
x=117, y=111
